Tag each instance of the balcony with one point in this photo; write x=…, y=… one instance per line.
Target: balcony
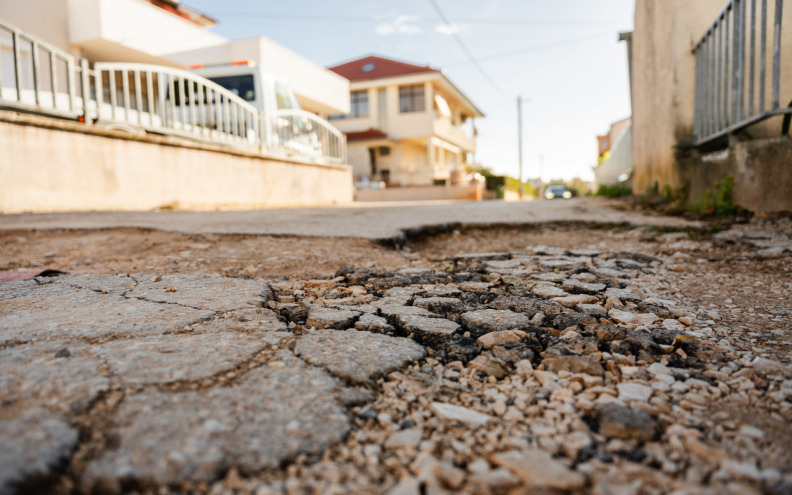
x=132, y=31
x=445, y=129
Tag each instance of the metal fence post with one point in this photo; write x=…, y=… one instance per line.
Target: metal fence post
x=17, y=65
x=777, y=55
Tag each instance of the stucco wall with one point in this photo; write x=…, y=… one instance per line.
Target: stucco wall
x=664, y=82
x=50, y=166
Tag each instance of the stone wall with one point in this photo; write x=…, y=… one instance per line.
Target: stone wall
x=50, y=165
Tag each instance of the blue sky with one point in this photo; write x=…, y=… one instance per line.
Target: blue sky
x=562, y=56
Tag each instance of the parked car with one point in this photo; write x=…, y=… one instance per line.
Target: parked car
x=367, y=183
x=557, y=191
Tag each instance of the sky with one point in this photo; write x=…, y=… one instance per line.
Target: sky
x=563, y=57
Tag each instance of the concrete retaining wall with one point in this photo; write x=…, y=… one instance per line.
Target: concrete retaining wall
x=762, y=172
x=425, y=193
x=48, y=165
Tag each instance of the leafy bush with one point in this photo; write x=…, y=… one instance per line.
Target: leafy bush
x=718, y=203
x=614, y=190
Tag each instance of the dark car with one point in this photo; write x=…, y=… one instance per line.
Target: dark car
x=555, y=192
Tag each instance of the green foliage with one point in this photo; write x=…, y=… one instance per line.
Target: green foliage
x=486, y=171
x=614, y=190
x=717, y=203
x=513, y=184
x=652, y=190
x=668, y=193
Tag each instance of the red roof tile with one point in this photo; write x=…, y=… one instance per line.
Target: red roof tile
x=377, y=68
x=370, y=133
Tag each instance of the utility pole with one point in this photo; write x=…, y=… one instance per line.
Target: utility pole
x=520, y=144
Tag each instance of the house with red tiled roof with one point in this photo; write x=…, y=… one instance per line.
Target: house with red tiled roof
x=409, y=125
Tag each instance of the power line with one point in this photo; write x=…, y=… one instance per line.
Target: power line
x=545, y=46
x=350, y=18
x=464, y=48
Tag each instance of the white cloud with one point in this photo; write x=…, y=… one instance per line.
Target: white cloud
x=452, y=29
x=401, y=24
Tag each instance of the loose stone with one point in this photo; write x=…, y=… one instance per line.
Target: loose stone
x=548, y=291
x=499, y=338
x=632, y=319
x=572, y=301
x=618, y=421
x=623, y=295
x=634, y=391
x=461, y=414
x=578, y=286
x=538, y=470
x=574, y=364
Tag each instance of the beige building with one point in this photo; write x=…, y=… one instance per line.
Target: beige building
x=408, y=125
x=663, y=84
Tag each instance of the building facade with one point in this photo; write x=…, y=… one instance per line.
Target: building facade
x=408, y=125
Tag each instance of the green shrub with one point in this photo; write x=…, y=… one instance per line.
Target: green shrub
x=614, y=190
x=719, y=202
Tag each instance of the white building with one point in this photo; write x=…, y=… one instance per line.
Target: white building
x=165, y=32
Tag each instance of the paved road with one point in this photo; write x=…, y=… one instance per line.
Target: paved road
x=182, y=380
x=368, y=220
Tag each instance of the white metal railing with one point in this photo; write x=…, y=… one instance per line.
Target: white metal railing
x=154, y=99
x=172, y=101
x=35, y=76
x=732, y=72
x=301, y=132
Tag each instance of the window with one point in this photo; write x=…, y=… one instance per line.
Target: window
x=358, y=106
x=284, y=97
x=241, y=86
x=411, y=99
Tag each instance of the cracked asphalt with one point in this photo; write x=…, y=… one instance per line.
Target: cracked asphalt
x=560, y=358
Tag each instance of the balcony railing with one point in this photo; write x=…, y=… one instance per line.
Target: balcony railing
x=155, y=99
x=732, y=71
x=453, y=133
x=41, y=77
x=171, y=101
